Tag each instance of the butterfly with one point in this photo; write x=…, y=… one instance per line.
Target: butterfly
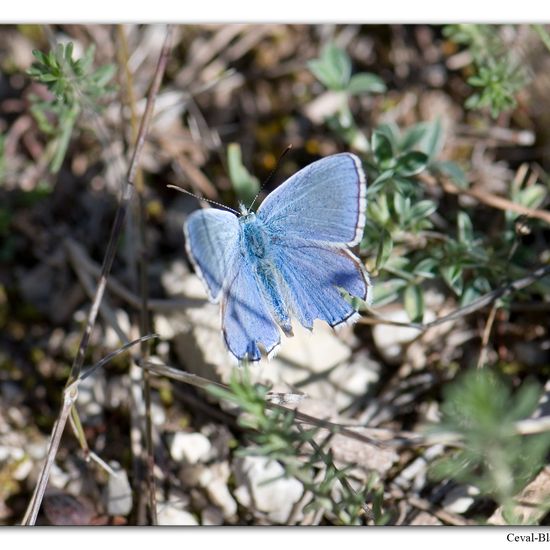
x=289, y=260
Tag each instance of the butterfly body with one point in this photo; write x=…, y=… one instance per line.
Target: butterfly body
x=290, y=260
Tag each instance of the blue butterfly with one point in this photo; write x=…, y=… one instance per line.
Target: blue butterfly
x=289, y=260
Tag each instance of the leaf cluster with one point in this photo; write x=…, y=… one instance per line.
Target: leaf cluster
x=75, y=86
x=481, y=409
x=498, y=75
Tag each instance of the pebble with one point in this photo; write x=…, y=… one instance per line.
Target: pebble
x=172, y=513
x=211, y=515
x=118, y=492
x=260, y=486
x=390, y=340
x=214, y=480
x=190, y=447
x=459, y=499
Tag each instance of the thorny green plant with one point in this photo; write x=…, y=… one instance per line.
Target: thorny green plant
x=499, y=76
x=273, y=433
x=75, y=86
x=482, y=409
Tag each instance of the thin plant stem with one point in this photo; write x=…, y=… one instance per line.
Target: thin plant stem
x=71, y=392
x=70, y=395
x=492, y=200
x=543, y=35
x=472, y=307
x=142, y=274
x=486, y=334
x=126, y=196
x=380, y=436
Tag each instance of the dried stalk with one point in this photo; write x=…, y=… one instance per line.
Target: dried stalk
x=70, y=392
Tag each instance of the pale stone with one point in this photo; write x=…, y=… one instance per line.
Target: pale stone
x=118, y=492
x=260, y=486
x=190, y=447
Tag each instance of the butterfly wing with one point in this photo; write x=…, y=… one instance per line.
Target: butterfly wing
x=314, y=276
x=211, y=240
x=324, y=202
x=246, y=318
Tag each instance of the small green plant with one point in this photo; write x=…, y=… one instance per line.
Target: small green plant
x=75, y=86
x=498, y=77
x=481, y=409
x=246, y=185
x=333, y=69
x=274, y=433
x=406, y=249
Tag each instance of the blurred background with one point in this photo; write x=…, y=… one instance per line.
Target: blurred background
x=432, y=409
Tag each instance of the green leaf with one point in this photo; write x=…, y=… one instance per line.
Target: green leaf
x=339, y=61
x=474, y=289
x=384, y=249
x=246, y=186
x=383, y=177
x=452, y=170
x=425, y=268
x=411, y=163
x=412, y=136
x=323, y=74
x=378, y=210
x=402, y=205
x=333, y=68
x=452, y=275
x=387, y=291
x=414, y=303
x=366, y=83
x=382, y=146
x=433, y=140
x=422, y=209
x=533, y=196
x=465, y=228
x=104, y=75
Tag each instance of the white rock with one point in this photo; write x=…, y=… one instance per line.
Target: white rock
x=175, y=278
x=214, y=480
x=169, y=514
x=317, y=350
x=91, y=397
x=191, y=447
x=274, y=498
x=58, y=477
x=37, y=450
x=390, y=340
x=23, y=469
x=118, y=492
x=111, y=337
x=460, y=498
x=211, y=515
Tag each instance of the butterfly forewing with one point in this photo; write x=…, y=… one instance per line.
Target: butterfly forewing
x=325, y=202
x=212, y=239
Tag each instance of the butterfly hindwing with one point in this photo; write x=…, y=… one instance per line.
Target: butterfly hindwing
x=314, y=276
x=325, y=201
x=246, y=319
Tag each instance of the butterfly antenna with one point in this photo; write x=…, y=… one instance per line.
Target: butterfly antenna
x=270, y=177
x=203, y=199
